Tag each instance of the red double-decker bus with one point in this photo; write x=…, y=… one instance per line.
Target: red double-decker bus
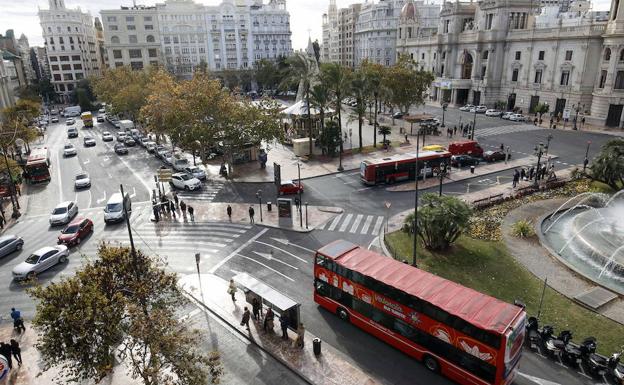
x=470, y=337
x=37, y=168
x=403, y=167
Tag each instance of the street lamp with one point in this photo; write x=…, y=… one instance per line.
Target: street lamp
x=444, y=106
x=299, y=192
x=340, y=168
x=539, y=151
x=586, y=161
x=415, y=253
x=306, y=204
x=197, y=257
x=14, y=201
x=474, y=121
x=442, y=175
x=548, y=139
x=259, y=196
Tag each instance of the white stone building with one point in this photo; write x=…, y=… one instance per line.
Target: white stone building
x=376, y=32
x=270, y=29
x=339, y=34
x=71, y=45
x=8, y=82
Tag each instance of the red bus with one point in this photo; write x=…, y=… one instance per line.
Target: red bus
x=403, y=166
x=37, y=168
x=468, y=336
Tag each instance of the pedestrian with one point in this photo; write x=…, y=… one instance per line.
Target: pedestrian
x=167, y=207
x=516, y=178
x=232, y=290
x=284, y=321
x=535, y=122
x=531, y=172
x=173, y=209
x=229, y=212
x=268, y=320
x=543, y=172
x=16, y=351
x=255, y=308
x=183, y=208
x=523, y=173
x=454, y=130
x=5, y=350
x=191, y=212
x=246, y=317
x=583, y=121
x=251, y=214
x=299, y=342
x=461, y=127
x=502, y=147
x=175, y=199
x=155, y=209
x=18, y=322
x=1, y=222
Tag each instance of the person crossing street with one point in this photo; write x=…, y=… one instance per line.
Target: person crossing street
x=229, y=212
x=251, y=214
x=191, y=212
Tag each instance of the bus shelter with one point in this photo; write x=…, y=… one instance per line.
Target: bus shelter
x=254, y=288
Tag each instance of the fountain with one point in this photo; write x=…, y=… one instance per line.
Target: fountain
x=589, y=238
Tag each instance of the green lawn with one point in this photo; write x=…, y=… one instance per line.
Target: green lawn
x=486, y=266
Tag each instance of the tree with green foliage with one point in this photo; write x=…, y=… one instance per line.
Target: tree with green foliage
x=541, y=109
x=330, y=138
x=374, y=77
x=441, y=220
x=124, y=90
x=338, y=78
x=500, y=105
x=358, y=91
x=608, y=165
x=124, y=304
x=320, y=96
x=267, y=74
x=385, y=131
x=407, y=83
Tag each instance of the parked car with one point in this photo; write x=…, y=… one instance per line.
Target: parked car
x=70, y=121
x=150, y=147
x=160, y=151
x=493, y=113
x=467, y=107
x=75, y=232
x=434, y=147
x=185, y=181
x=117, y=124
x=120, y=149
x=466, y=147
x=479, y=109
x=167, y=157
x=144, y=140
x=506, y=115
x=54, y=111
x=89, y=141
x=493, y=156
x=69, y=150
x=63, y=213
x=100, y=119
x=464, y=160
x=102, y=110
x=129, y=142
x=82, y=180
x=518, y=118
x=290, y=187
x=107, y=136
x=54, y=119
x=121, y=136
x=40, y=261
x=196, y=172
x=10, y=243
x=179, y=162
x=397, y=115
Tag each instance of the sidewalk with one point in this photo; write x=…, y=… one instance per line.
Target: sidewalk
x=329, y=368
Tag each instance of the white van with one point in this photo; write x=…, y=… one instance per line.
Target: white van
x=113, y=211
x=126, y=125
x=72, y=111
x=180, y=163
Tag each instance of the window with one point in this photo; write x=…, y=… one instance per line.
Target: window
x=622, y=55
x=118, y=64
x=485, y=55
x=603, y=78
x=131, y=27
x=57, y=77
x=147, y=18
x=152, y=52
x=619, y=81
x=540, y=55
x=136, y=65
x=134, y=53
x=149, y=27
x=113, y=28
x=77, y=66
x=76, y=57
x=514, y=75
x=61, y=40
x=53, y=58
x=168, y=50
x=111, y=19
x=488, y=21
x=483, y=71
x=64, y=58
x=607, y=54
x=117, y=54
x=538, y=76
x=114, y=39
x=518, y=55
x=79, y=75
x=446, y=26
x=132, y=39
x=66, y=67
x=568, y=55
x=68, y=77
x=150, y=39
x=565, y=78
x=55, y=67
x=129, y=19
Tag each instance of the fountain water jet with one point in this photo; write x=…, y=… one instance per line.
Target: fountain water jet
x=591, y=194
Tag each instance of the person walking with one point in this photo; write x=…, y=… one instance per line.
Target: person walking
x=175, y=199
x=18, y=322
x=531, y=172
x=583, y=122
x=268, y=320
x=454, y=130
x=191, y=212
x=299, y=342
x=502, y=147
x=173, y=209
x=284, y=321
x=2, y=222
x=516, y=178
x=155, y=209
x=229, y=212
x=251, y=214
x=5, y=350
x=183, y=208
x=232, y=290
x=523, y=174
x=246, y=317
x=255, y=308
x=16, y=351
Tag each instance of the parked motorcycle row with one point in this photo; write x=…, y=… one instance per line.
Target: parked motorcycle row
x=581, y=355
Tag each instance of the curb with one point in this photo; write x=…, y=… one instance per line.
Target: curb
x=308, y=230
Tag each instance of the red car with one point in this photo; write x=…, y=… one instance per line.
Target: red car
x=290, y=187
x=75, y=231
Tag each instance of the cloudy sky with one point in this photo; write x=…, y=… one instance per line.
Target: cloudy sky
x=305, y=15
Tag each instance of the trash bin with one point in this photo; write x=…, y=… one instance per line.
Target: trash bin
x=472, y=169
x=269, y=206
x=316, y=346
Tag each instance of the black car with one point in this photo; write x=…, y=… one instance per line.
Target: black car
x=493, y=156
x=121, y=149
x=463, y=160
x=397, y=115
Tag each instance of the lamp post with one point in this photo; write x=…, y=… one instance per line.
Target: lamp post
x=259, y=196
x=586, y=161
x=415, y=253
x=197, y=257
x=306, y=205
x=340, y=168
x=299, y=193
x=14, y=202
x=442, y=175
x=474, y=121
x=576, y=110
x=539, y=151
x=444, y=106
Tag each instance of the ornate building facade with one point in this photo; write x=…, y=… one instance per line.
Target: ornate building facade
x=375, y=32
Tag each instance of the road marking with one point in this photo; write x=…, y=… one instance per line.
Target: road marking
x=269, y=256
x=235, y=252
x=364, y=189
x=268, y=267
x=89, y=191
x=58, y=175
x=334, y=223
x=282, y=250
x=537, y=380
x=133, y=192
x=369, y=220
x=287, y=243
x=356, y=223
x=378, y=225
x=345, y=224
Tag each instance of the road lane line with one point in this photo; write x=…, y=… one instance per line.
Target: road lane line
x=250, y=241
x=268, y=267
x=378, y=225
x=282, y=250
x=345, y=224
x=289, y=243
x=367, y=224
x=334, y=223
x=270, y=257
x=58, y=175
x=356, y=223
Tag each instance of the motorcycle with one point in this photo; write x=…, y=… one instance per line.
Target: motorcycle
x=616, y=369
x=554, y=346
x=532, y=333
x=597, y=364
x=574, y=354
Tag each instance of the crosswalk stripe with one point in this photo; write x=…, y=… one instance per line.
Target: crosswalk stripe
x=335, y=223
x=378, y=225
x=322, y=225
x=345, y=224
x=367, y=224
x=356, y=223
x=491, y=131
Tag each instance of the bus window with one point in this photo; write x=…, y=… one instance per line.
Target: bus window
x=322, y=288
x=320, y=260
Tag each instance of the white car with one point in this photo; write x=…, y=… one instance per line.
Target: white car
x=117, y=124
x=102, y=110
x=196, y=172
x=518, y=118
x=82, y=180
x=107, y=136
x=40, y=261
x=150, y=146
x=121, y=136
x=492, y=112
x=70, y=121
x=185, y=181
x=506, y=115
x=479, y=109
x=69, y=150
x=54, y=119
x=63, y=213
x=467, y=107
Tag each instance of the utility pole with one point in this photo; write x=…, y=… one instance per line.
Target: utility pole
x=127, y=218
x=539, y=151
x=586, y=161
x=299, y=193
x=415, y=226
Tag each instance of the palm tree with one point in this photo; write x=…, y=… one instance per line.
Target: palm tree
x=301, y=70
x=319, y=98
x=358, y=90
x=384, y=130
x=338, y=78
x=373, y=73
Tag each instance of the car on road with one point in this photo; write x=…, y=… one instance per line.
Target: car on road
x=290, y=187
x=114, y=210
x=144, y=140
x=518, y=118
x=10, y=243
x=107, y=136
x=179, y=162
x=40, y=261
x=120, y=149
x=89, y=141
x=196, y=172
x=493, y=156
x=506, y=115
x=121, y=136
x=100, y=119
x=466, y=108
x=70, y=121
x=54, y=119
x=75, y=232
x=464, y=160
x=63, y=213
x=493, y=113
x=167, y=158
x=479, y=109
x=150, y=147
x=82, y=180
x=72, y=132
x=54, y=111
x=185, y=181
x=129, y=142
x=117, y=124
x=69, y=150
x=102, y=110
x=397, y=115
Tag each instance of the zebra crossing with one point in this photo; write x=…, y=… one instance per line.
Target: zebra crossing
x=362, y=224
x=208, y=192
x=508, y=129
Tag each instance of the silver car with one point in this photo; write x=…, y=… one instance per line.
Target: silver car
x=40, y=261
x=9, y=244
x=82, y=180
x=63, y=213
x=196, y=172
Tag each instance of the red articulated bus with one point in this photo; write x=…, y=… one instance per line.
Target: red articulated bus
x=470, y=337
x=402, y=167
x=37, y=168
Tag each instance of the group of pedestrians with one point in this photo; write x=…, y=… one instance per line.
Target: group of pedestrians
x=12, y=349
x=532, y=172
x=169, y=208
x=450, y=132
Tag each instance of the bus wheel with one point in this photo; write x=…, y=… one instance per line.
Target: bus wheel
x=431, y=364
x=342, y=313
x=390, y=181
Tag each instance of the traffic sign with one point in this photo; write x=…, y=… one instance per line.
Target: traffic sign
x=164, y=175
x=387, y=204
x=566, y=113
